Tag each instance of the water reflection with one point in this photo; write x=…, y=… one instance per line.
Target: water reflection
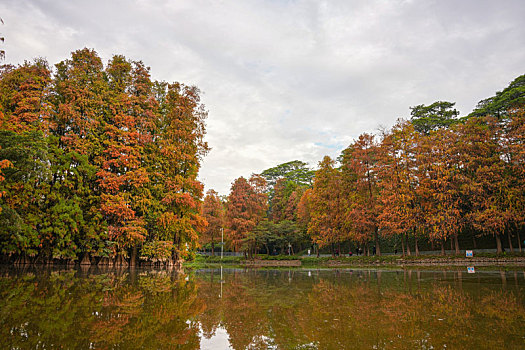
x=260, y=309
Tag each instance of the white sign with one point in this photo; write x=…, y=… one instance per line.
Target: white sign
x=469, y=253
x=470, y=269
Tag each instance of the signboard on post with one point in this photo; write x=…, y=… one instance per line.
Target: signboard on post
x=469, y=253
x=470, y=269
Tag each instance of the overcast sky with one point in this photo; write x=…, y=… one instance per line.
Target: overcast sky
x=286, y=80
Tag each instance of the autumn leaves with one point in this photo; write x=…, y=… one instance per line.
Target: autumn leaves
x=103, y=159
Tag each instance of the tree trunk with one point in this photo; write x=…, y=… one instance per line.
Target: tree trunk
x=456, y=243
x=403, y=244
x=376, y=236
x=519, y=240
x=432, y=244
x=498, y=244
x=510, y=241
x=415, y=240
x=332, y=250
x=442, y=247
x=474, y=242
x=212, y=248
x=339, y=248
x=85, y=260
x=408, y=245
x=133, y=258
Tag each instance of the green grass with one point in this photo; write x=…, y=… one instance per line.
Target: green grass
x=202, y=261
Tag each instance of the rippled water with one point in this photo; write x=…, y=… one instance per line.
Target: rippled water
x=260, y=309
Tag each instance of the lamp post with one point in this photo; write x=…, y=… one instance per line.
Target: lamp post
x=222, y=242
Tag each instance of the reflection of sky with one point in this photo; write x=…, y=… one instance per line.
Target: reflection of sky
x=218, y=341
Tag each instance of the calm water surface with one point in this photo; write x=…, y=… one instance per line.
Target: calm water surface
x=261, y=309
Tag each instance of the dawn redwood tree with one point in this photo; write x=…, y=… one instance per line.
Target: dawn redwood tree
x=76, y=123
x=397, y=175
x=359, y=171
x=303, y=209
x=284, y=200
x=278, y=200
x=24, y=157
x=96, y=161
x=247, y=204
x=514, y=157
x=179, y=147
x=290, y=210
x=440, y=186
x=327, y=206
x=484, y=168
x=213, y=211
x=122, y=174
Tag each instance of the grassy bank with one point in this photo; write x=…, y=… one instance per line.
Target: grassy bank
x=481, y=258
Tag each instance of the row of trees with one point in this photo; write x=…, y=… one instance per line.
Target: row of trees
x=260, y=214
x=433, y=177
x=98, y=162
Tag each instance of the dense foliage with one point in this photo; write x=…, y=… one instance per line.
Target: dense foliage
x=98, y=162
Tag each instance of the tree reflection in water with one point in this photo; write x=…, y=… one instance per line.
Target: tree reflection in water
x=259, y=309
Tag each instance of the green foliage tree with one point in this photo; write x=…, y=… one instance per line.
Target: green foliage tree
x=504, y=102
x=440, y=114
x=295, y=171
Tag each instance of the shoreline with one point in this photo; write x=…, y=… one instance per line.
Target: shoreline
x=367, y=261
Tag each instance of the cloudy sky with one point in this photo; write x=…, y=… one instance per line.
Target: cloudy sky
x=286, y=80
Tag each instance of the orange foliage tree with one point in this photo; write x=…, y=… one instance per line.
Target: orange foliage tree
x=213, y=211
x=359, y=169
x=246, y=207
x=327, y=207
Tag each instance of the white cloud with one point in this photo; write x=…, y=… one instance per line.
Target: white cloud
x=287, y=80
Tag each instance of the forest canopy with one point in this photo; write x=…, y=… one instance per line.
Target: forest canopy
x=98, y=162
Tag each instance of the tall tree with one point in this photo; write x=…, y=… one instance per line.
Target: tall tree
x=504, y=102
x=247, y=204
x=213, y=211
x=24, y=156
x=489, y=183
x=327, y=222
x=359, y=170
x=76, y=121
x=440, y=114
x=180, y=146
x=97, y=160
x=296, y=171
x=397, y=173
x=440, y=182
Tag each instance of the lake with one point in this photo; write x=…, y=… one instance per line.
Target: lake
x=50, y=308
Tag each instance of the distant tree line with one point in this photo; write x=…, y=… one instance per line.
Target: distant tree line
x=98, y=163
x=432, y=178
